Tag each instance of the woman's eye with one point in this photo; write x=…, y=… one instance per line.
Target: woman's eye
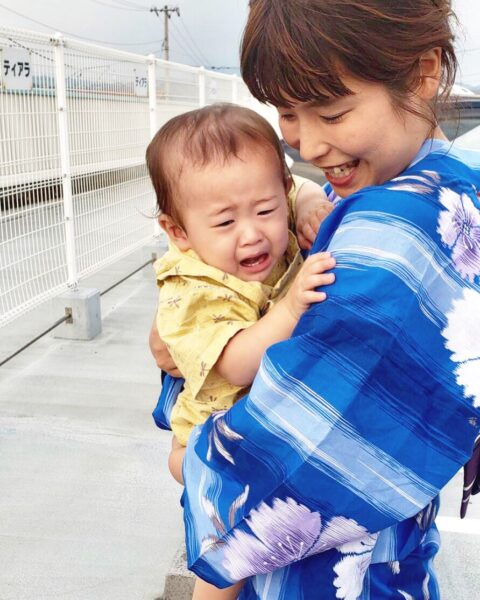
x=333, y=118
x=287, y=117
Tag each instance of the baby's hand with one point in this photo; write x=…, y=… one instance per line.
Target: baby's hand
x=312, y=275
x=311, y=208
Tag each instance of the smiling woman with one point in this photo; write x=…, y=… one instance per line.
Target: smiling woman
x=320, y=105
x=323, y=481
x=339, y=137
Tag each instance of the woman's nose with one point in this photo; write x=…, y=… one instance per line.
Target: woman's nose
x=311, y=145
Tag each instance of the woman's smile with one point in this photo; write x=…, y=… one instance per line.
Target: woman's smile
x=341, y=175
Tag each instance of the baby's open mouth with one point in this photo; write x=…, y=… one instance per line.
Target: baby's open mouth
x=254, y=260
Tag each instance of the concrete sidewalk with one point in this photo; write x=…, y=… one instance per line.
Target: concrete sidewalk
x=88, y=509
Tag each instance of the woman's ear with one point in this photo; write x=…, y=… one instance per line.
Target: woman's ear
x=430, y=73
x=175, y=232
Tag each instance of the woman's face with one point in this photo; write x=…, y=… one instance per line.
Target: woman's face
x=357, y=140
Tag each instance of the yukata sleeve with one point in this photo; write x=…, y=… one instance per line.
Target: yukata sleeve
x=356, y=422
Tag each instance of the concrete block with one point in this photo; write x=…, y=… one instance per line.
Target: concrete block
x=153, y=251
x=83, y=306
x=179, y=581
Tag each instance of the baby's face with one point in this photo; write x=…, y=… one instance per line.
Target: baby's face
x=235, y=215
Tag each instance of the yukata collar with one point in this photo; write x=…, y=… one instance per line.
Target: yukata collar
x=428, y=147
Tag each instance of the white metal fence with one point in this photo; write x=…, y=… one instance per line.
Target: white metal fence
x=75, y=120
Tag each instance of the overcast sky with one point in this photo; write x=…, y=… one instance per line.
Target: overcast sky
x=207, y=32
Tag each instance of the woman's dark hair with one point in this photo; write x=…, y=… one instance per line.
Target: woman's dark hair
x=212, y=134
x=298, y=49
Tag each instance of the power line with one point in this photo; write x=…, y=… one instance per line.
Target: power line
x=188, y=57
x=194, y=44
x=25, y=17
x=52, y=27
x=119, y=7
x=131, y=4
x=187, y=47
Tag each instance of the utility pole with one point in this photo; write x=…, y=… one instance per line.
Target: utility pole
x=167, y=12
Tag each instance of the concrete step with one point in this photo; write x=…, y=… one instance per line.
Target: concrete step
x=179, y=580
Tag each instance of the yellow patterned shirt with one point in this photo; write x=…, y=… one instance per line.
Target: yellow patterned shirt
x=200, y=309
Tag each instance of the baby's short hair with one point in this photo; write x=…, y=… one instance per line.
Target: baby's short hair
x=213, y=134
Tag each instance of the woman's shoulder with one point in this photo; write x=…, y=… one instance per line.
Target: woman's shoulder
x=422, y=200
x=424, y=184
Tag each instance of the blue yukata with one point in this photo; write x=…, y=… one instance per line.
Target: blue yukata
x=323, y=482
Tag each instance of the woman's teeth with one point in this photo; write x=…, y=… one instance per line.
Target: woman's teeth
x=342, y=170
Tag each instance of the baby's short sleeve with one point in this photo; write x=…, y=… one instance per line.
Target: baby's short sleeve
x=196, y=319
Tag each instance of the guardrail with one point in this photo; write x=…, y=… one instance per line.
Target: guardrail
x=75, y=122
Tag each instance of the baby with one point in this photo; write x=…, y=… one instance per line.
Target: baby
x=233, y=281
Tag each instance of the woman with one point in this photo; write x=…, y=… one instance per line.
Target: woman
x=323, y=482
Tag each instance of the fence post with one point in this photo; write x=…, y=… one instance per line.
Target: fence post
x=201, y=87
x=64, y=143
x=152, y=106
x=234, y=89
x=152, y=94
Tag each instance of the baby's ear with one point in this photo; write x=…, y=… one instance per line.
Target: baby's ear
x=175, y=232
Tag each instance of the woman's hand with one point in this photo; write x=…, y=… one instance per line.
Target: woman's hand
x=160, y=352
x=311, y=208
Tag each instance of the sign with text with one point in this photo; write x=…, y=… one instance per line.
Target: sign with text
x=16, y=69
x=141, y=82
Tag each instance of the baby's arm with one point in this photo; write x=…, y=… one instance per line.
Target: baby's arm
x=311, y=208
x=240, y=359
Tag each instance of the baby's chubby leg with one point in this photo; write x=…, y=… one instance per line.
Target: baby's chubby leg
x=207, y=591
x=175, y=460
